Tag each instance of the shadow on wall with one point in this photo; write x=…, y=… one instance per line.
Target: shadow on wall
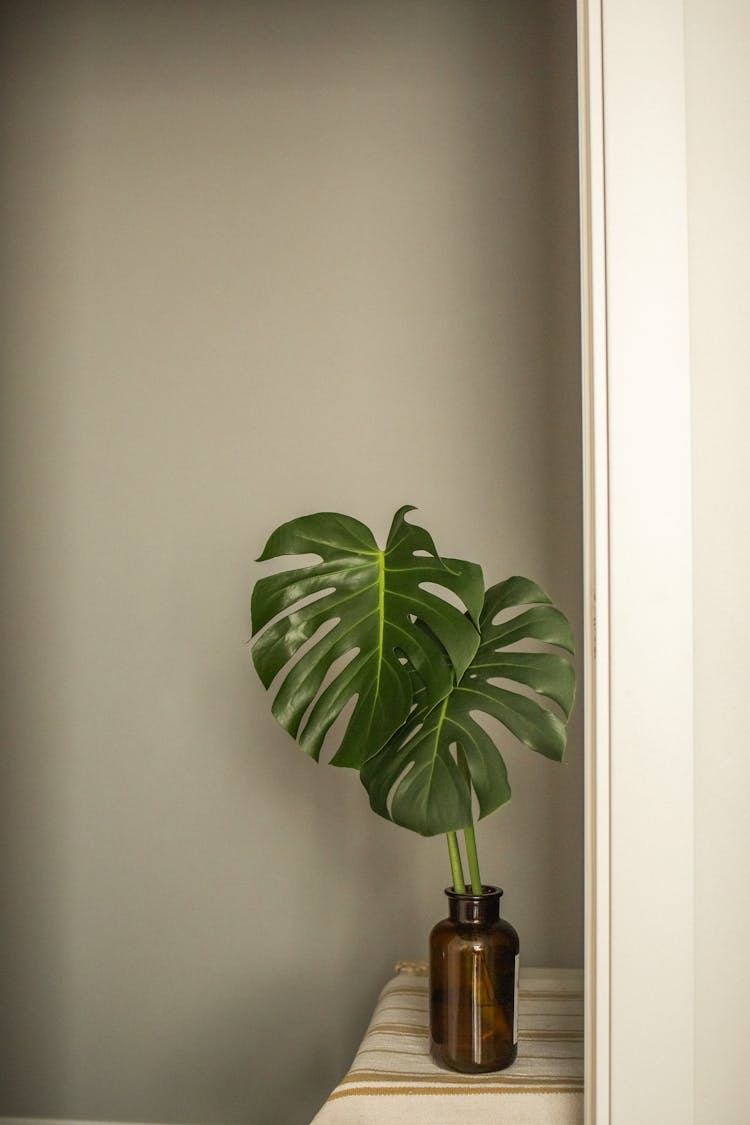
x=224, y=1055
x=32, y=952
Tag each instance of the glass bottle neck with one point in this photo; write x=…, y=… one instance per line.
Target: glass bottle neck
x=474, y=908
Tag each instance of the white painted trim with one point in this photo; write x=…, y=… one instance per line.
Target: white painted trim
x=650, y=564
x=637, y=571
x=596, y=563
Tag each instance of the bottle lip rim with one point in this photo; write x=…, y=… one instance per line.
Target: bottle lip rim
x=488, y=892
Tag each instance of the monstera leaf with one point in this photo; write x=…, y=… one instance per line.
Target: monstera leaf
x=369, y=600
x=415, y=779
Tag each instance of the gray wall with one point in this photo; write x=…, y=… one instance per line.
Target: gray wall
x=258, y=259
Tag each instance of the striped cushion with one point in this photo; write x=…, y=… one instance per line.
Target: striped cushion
x=394, y=1080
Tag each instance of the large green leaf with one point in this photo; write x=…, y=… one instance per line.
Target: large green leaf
x=415, y=779
x=370, y=601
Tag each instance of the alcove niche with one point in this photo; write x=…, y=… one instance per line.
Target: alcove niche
x=266, y=258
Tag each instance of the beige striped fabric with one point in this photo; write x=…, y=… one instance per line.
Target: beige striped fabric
x=394, y=1081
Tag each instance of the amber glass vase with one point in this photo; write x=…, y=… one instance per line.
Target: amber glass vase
x=474, y=985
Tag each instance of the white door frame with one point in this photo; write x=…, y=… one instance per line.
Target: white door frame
x=638, y=573
x=595, y=561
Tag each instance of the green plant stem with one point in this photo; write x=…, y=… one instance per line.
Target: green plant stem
x=455, y=857
x=471, y=854
x=470, y=839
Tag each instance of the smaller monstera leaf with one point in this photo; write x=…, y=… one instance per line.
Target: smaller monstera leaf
x=369, y=600
x=415, y=779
